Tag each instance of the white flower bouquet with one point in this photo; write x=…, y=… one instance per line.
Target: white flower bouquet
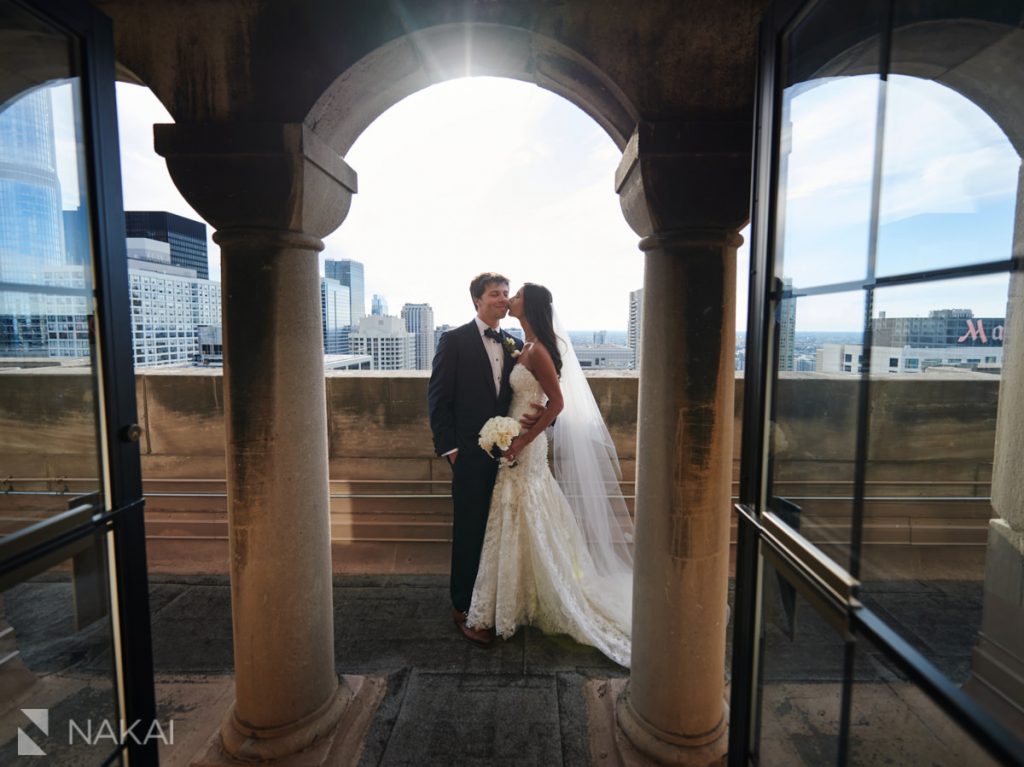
x=498, y=432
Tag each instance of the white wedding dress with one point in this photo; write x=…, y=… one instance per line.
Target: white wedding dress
x=535, y=566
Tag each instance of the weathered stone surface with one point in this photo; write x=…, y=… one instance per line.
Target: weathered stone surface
x=51, y=414
x=673, y=711
x=187, y=413
x=337, y=66
x=182, y=442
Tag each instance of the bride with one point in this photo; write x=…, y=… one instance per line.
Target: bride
x=557, y=554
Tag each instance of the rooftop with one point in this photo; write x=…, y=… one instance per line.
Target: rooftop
x=533, y=699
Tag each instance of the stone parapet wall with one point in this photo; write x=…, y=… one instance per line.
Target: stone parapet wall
x=929, y=436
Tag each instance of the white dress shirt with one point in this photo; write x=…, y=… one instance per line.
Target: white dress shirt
x=495, y=353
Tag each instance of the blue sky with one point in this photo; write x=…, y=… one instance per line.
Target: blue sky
x=947, y=197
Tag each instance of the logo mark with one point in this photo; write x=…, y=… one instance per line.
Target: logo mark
x=40, y=717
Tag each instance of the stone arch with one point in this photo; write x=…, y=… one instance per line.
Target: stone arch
x=425, y=57
x=981, y=59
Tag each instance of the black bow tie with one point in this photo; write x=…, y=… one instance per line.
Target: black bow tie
x=492, y=333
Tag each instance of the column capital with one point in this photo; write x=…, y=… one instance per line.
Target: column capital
x=677, y=239
x=681, y=175
x=258, y=176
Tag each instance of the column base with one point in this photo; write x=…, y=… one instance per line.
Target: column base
x=997, y=663
x=332, y=735
x=661, y=747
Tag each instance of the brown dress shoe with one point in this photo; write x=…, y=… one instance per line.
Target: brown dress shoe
x=479, y=637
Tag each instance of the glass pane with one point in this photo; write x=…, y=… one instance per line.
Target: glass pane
x=950, y=175
x=814, y=417
x=949, y=183
x=829, y=106
x=47, y=406
x=801, y=682
x=893, y=722
x=56, y=663
x=935, y=383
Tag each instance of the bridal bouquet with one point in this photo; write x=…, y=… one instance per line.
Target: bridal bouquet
x=499, y=432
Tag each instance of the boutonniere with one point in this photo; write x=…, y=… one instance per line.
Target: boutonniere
x=510, y=346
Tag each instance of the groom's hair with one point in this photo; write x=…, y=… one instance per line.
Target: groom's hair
x=481, y=281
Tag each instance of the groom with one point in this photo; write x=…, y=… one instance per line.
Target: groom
x=468, y=385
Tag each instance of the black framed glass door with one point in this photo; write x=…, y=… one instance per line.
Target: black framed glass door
x=75, y=657
x=878, y=608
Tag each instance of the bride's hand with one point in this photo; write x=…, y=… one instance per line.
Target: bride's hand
x=514, y=449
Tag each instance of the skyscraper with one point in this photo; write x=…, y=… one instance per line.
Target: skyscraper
x=439, y=331
x=169, y=303
x=636, y=310
x=941, y=328
x=349, y=273
x=419, y=320
x=787, y=327
x=336, y=308
x=32, y=249
x=380, y=306
x=186, y=237
x=387, y=341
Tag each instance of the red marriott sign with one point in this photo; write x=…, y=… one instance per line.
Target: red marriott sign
x=976, y=332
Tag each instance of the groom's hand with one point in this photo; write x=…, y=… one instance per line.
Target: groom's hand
x=452, y=456
x=528, y=420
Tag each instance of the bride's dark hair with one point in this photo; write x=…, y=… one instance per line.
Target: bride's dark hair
x=537, y=311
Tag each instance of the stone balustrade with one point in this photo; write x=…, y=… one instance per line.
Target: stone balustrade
x=931, y=436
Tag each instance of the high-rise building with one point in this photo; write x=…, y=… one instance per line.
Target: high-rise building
x=169, y=304
x=211, y=344
x=636, y=311
x=787, y=326
x=419, y=320
x=941, y=328
x=32, y=251
x=336, y=313
x=77, y=239
x=380, y=306
x=186, y=237
x=387, y=342
x=350, y=274
x=66, y=315
x=604, y=356
x=439, y=331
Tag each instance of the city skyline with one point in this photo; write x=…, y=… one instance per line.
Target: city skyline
x=559, y=166
x=572, y=201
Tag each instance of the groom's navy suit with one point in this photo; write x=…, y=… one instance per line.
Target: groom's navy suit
x=461, y=396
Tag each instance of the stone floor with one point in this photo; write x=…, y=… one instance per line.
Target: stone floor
x=447, y=702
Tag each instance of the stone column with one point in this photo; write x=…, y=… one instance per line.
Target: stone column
x=271, y=192
x=997, y=662
x=684, y=187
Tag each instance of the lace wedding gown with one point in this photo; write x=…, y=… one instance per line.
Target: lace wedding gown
x=535, y=567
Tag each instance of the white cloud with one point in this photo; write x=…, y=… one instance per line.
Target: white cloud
x=941, y=155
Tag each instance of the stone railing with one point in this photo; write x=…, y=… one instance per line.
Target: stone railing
x=929, y=449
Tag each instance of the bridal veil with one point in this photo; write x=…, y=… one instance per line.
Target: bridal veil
x=587, y=469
